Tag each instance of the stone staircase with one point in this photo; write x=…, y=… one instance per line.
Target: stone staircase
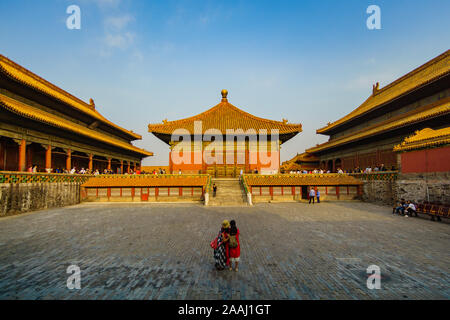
x=229, y=193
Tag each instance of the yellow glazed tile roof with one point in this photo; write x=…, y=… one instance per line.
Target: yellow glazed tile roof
x=430, y=71
x=222, y=117
x=425, y=138
x=293, y=166
x=22, y=75
x=441, y=107
x=305, y=157
x=302, y=179
x=146, y=181
x=37, y=114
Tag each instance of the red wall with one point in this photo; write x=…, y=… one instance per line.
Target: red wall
x=273, y=161
x=428, y=160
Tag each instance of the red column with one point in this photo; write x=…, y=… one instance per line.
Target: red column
x=28, y=157
x=121, y=166
x=69, y=160
x=22, y=155
x=48, y=157
x=91, y=162
x=170, y=163
x=204, y=166
x=247, y=159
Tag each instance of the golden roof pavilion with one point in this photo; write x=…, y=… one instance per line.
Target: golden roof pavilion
x=225, y=116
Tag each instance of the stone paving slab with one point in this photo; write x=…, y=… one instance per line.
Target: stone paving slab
x=161, y=251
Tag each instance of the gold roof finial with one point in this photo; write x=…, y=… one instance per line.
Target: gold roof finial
x=224, y=95
x=92, y=103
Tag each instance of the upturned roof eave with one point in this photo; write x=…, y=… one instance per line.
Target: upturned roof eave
x=438, y=109
x=347, y=118
x=68, y=99
x=36, y=114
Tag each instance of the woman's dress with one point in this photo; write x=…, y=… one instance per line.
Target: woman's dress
x=221, y=256
x=236, y=252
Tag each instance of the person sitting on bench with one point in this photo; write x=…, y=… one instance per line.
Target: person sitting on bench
x=411, y=209
x=400, y=209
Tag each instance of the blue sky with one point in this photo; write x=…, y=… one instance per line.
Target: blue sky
x=144, y=61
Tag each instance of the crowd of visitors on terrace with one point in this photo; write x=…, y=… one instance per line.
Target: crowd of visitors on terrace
x=75, y=170
x=368, y=169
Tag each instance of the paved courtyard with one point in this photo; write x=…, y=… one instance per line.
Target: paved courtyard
x=161, y=251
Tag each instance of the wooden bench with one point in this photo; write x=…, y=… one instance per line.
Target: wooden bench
x=434, y=210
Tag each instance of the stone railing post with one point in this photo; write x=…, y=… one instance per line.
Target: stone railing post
x=206, y=198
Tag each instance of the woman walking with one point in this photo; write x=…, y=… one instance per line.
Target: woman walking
x=234, y=246
x=221, y=254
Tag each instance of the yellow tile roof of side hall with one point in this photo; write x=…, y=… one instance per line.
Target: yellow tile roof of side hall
x=437, y=109
x=428, y=72
x=146, y=181
x=332, y=179
x=425, y=138
x=20, y=74
x=37, y=114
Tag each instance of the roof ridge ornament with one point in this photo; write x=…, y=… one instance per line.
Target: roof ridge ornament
x=375, y=88
x=92, y=103
x=224, y=95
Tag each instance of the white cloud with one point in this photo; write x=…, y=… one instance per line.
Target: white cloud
x=118, y=23
x=118, y=31
x=107, y=3
x=137, y=56
x=121, y=41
